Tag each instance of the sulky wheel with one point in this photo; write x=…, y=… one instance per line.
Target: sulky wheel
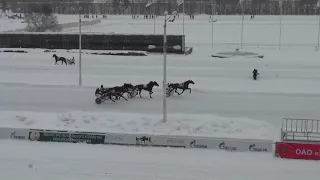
x=132, y=94
x=114, y=98
x=98, y=101
x=129, y=95
x=169, y=92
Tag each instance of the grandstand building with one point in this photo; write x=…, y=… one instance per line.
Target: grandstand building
x=221, y=7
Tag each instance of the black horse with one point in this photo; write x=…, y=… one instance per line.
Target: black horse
x=147, y=87
x=184, y=86
x=143, y=139
x=123, y=89
x=110, y=93
x=62, y=59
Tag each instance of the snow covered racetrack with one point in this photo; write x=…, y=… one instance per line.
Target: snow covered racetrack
x=264, y=106
x=35, y=93
x=52, y=161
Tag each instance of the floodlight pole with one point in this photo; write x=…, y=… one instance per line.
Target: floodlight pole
x=212, y=24
x=154, y=18
x=183, y=11
x=164, y=86
x=80, y=67
x=319, y=26
x=242, y=25
x=280, y=23
x=164, y=70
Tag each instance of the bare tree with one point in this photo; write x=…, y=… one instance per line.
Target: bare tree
x=3, y=4
x=103, y=5
x=126, y=4
x=41, y=19
x=116, y=6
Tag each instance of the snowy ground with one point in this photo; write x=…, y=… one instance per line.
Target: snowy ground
x=7, y=24
x=223, y=90
x=206, y=125
x=262, y=31
x=52, y=161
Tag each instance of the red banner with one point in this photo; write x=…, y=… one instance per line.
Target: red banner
x=298, y=151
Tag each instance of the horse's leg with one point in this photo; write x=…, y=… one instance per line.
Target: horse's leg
x=140, y=93
x=176, y=90
x=123, y=94
x=182, y=91
x=110, y=97
x=123, y=97
x=190, y=90
x=119, y=95
x=179, y=93
x=150, y=92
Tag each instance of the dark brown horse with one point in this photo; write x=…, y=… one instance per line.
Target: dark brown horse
x=147, y=87
x=62, y=59
x=184, y=86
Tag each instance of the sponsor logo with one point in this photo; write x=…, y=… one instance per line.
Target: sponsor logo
x=114, y=138
x=193, y=144
x=307, y=152
x=143, y=140
x=253, y=148
x=13, y=136
x=223, y=146
x=175, y=141
x=34, y=136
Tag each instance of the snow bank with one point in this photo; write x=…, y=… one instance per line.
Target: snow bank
x=207, y=125
x=63, y=161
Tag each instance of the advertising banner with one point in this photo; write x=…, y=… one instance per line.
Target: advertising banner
x=144, y=140
x=52, y=136
x=224, y=144
x=298, y=151
x=14, y=133
x=231, y=145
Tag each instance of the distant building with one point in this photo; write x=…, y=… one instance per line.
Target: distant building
x=227, y=7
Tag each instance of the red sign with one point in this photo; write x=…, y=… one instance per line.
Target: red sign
x=298, y=151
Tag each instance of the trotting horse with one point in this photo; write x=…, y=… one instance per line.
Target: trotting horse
x=147, y=87
x=123, y=89
x=110, y=92
x=62, y=59
x=184, y=86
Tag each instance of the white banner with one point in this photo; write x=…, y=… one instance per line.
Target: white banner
x=225, y=144
x=231, y=145
x=14, y=133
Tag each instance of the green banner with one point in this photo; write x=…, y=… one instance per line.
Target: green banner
x=66, y=137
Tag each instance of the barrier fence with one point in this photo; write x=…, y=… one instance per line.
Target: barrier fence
x=259, y=45
x=300, y=139
x=298, y=151
x=225, y=144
